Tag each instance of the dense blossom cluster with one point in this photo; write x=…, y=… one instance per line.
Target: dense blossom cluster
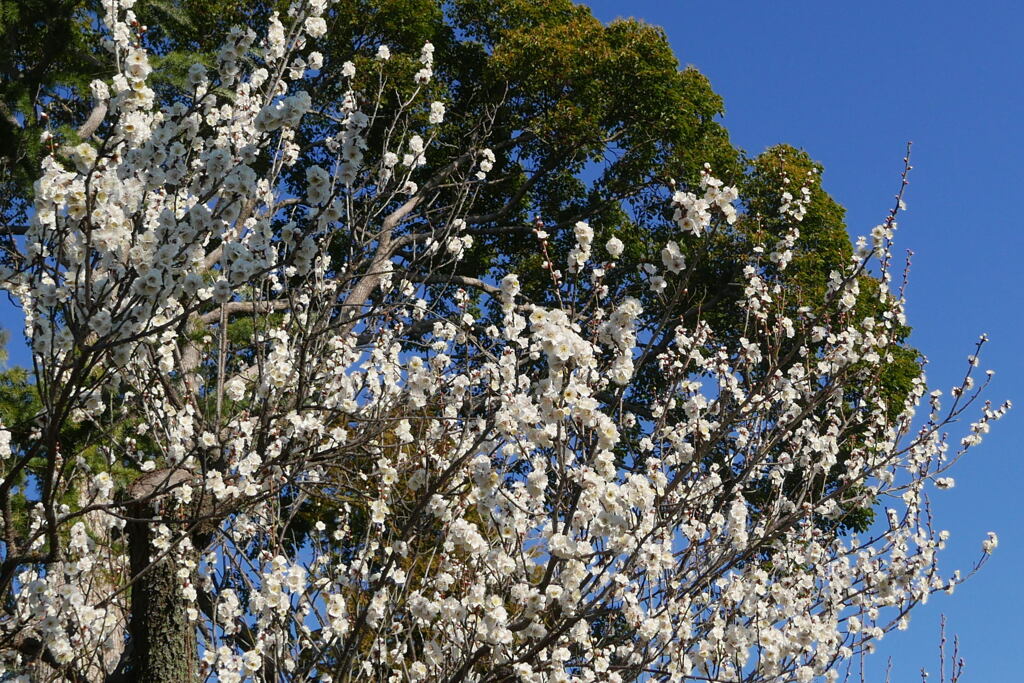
x=491, y=505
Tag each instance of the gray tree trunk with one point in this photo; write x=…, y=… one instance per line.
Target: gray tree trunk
x=161, y=638
x=162, y=645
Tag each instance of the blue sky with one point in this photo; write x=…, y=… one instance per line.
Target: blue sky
x=851, y=83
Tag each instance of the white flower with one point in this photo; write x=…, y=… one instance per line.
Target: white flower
x=136, y=65
x=101, y=323
x=673, y=258
x=316, y=27
x=510, y=284
x=584, y=233
x=486, y=163
x=614, y=247
x=235, y=388
x=436, y=112
x=427, y=54
x=418, y=671
x=383, y=53
x=84, y=155
x=222, y=291
x=100, y=91
x=318, y=185
x=252, y=661
x=990, y=543
x=348, y=70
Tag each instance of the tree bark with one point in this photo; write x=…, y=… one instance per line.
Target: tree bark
x=162, y=645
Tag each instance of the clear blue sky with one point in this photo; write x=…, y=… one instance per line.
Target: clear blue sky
x=851, y=83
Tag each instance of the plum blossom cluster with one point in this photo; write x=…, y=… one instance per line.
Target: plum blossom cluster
x=796, y=207
x=381, y=480
x=693, y=213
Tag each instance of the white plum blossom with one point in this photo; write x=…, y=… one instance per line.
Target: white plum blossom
x=584, y=240
x=436, y=112
x=487, y=159
x=693, y=213
x=316, y=27
x=673, y=258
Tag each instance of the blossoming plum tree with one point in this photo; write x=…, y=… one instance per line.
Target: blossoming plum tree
x=347, y=458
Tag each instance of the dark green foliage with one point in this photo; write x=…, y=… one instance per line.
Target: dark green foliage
x=48, y=51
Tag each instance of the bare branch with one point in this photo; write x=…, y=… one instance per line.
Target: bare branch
x=246, y=307
x=96, y=116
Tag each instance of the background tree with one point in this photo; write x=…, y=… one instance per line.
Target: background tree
x=614, y=126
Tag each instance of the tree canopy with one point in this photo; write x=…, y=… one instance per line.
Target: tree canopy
x=595, y=122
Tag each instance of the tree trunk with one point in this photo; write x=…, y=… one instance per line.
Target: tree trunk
x=162, y=646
